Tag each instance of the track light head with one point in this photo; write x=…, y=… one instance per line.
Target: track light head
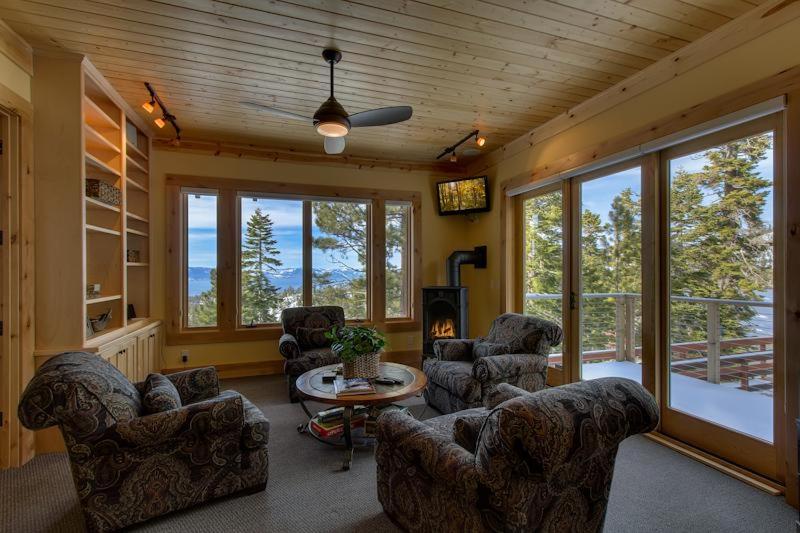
x=453, y=157
x=480, y=141
x=149, y=106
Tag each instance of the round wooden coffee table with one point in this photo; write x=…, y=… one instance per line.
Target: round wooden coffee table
x=311, y=387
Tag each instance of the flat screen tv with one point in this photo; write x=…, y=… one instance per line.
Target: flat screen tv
x=463, y=195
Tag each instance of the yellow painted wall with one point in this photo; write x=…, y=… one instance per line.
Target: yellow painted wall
x=440, y=235
x=751, y=62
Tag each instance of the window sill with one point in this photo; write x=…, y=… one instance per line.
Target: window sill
x=400, y=325
x=270, y=332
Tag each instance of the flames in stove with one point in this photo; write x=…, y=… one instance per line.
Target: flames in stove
x=443, y=329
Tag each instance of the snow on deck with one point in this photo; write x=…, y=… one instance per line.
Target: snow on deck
x=742, y=411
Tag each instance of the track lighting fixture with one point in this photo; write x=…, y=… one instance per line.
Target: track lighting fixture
x=480, y=141
x=165, y=117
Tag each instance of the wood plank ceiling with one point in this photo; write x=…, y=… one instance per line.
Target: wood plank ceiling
x=502, y=66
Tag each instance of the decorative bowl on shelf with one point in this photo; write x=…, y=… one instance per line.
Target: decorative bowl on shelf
x=100, y=322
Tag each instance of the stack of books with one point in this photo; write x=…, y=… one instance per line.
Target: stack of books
x=330, y=423
x=352, y=387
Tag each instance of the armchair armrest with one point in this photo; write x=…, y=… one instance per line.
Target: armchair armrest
x=500, y=367
x=420, y=445
x=288, y=346
x=196, y=385
x=501, y=393
x=212, y=419
x=453, y=349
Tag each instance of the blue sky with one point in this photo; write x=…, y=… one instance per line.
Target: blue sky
x=287, y=218
x=597, y=194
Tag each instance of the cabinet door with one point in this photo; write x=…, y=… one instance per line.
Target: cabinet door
x=128, y=353
x=156, y=347
x=111, y=354
x=143, y=354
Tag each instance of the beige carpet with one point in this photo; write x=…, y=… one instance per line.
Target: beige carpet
x=654, y=489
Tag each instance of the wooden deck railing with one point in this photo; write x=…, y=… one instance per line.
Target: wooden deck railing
x=707, y=359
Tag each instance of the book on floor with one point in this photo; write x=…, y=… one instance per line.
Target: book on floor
x=353, y=386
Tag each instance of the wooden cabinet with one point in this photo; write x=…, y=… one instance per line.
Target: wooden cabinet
x=138, y=354
x=94, y=142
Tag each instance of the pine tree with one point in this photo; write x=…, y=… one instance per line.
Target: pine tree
x=260, y=300
x=203, y=307
x=344, y=234
x=625, y=237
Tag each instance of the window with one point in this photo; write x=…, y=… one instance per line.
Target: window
x=314, y=246
x=339, y=256
x=270, y=258
x=398, y=259
x=201, y=259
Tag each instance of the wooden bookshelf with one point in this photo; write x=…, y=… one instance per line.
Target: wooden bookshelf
x=88, y=243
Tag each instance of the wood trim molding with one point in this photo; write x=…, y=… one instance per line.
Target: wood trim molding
x=255, y=151
x=274, y=367
x=227, y=329
x=754, y=23
x=745, y=476
x=782, y=83
x=16, y=48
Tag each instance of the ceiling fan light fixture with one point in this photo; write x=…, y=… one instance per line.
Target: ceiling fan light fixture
x=333, y=128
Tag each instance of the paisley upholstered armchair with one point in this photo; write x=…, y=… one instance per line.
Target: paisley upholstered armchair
x=539, y=461
x=303, y=344
x=129, y=466
x=515, y=351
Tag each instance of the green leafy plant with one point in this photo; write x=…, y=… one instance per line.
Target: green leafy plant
x=351, y=342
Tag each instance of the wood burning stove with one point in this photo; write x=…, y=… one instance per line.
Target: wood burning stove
x=444, y=315
x=445, y=309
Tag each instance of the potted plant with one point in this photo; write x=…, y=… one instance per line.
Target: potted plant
x=359, y=349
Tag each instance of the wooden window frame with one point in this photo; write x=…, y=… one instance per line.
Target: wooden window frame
x=228, y=192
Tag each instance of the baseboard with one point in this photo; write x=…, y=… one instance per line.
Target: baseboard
x=238, y=370
x=716, y=463
x=273, y=367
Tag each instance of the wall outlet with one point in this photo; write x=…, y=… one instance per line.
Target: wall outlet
x=184, y=356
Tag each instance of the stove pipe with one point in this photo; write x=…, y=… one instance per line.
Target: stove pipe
x=476, y=257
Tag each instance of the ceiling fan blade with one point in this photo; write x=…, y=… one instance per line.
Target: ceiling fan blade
x=380, y=117
x=334, y=145
x=276, y=112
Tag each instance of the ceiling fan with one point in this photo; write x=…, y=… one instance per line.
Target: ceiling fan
x=332, y=121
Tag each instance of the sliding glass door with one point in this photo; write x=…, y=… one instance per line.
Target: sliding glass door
x=721, y=364
x=543, y=268
x=608, y=215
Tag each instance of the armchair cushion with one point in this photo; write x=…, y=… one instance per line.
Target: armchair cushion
x=160, y=394
x=454, y=376
x=453, y=349
x=200, y=423
x=196, y=384
x=502, y=367
x=312, y=338
x=525, y=333
x=486, y=349
x=467, y=428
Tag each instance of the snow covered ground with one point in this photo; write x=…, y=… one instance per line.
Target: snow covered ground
x=743, y=411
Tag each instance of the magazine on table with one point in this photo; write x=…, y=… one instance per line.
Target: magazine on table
x=353, y=386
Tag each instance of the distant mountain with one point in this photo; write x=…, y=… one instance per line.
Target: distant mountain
x=200, y=278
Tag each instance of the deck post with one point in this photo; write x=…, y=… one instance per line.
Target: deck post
x=712, y=337
x=630, y=329
x=619, y=319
